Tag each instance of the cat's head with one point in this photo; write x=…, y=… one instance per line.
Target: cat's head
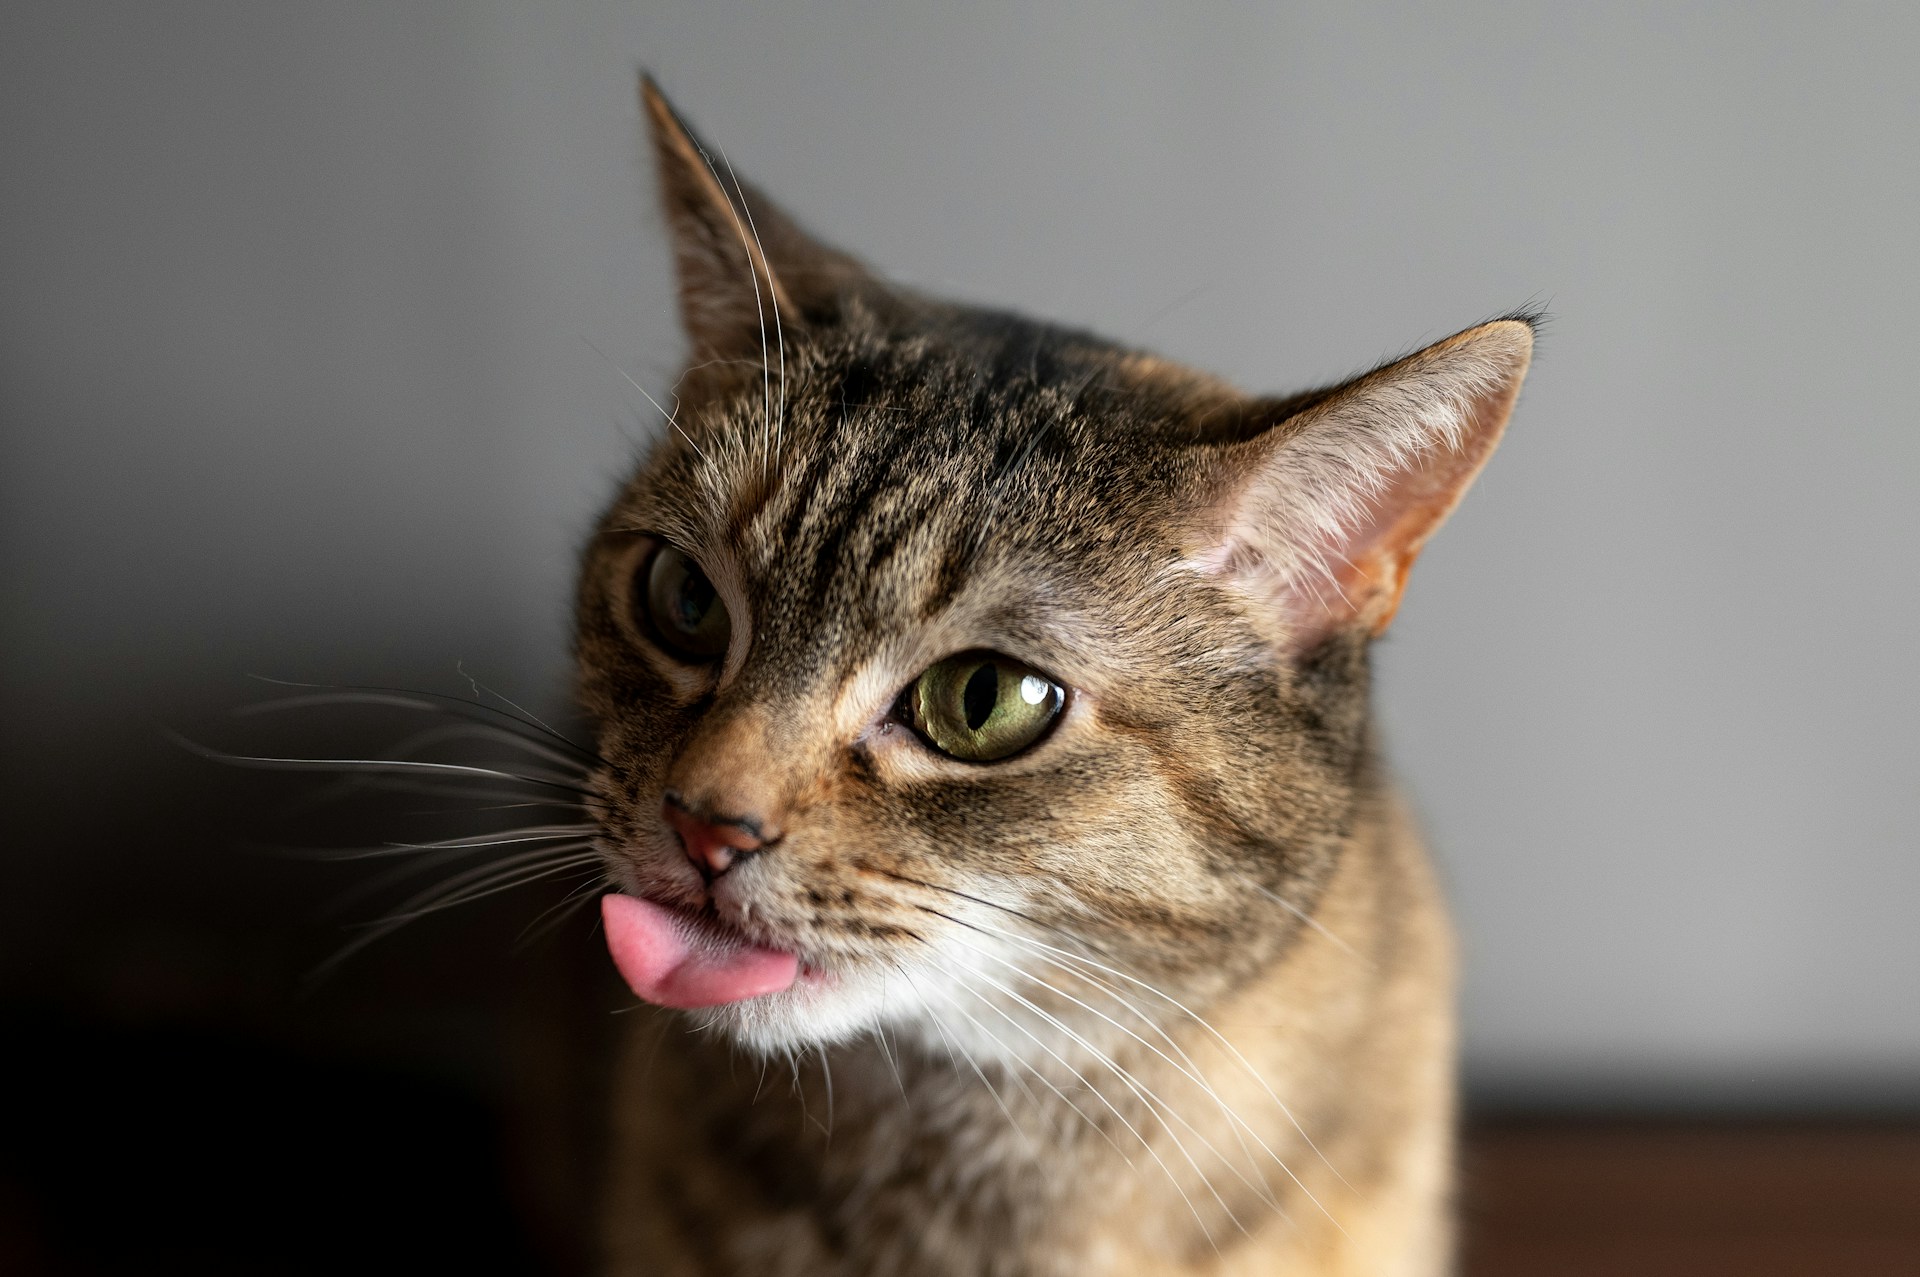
x=939, y=656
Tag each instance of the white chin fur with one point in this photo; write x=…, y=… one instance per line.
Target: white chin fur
x=957, y=1000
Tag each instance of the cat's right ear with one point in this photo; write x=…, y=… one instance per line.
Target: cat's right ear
x=746, y=269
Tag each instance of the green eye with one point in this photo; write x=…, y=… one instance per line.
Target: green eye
x=980, y=707
x=681, y=608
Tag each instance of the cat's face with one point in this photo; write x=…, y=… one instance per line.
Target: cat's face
x=948, y=666
x=904, y=514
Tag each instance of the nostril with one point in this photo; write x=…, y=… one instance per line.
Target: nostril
x=714, y=846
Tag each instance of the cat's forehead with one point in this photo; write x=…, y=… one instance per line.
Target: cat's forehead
x=1003, y=471
x=1011, y=437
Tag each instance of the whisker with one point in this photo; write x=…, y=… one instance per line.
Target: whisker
x=672, y=418
x=886, y=1052
x=1219, y=1037
x=753, y=271
x=1140, y=1090
x=1189, y=1074
x=475, y=842
x=1027, y=918
x=437, y=787
x=826, y=1075
x=505, y=879
x=556, y=915
x=376, y=765
x=1306, y=918
x=1013, y=1074
x=488, y=731
x=468, y=726
x=1097, y=1094
x=497, y=867
x=417, y=906
x=412, y=698
x=1199, y=1020
x=773, y=288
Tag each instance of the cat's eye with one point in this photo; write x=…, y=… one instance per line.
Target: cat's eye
x=981, y=707
x=681, y=609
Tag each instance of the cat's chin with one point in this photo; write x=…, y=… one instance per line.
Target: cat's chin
x=818, y=1009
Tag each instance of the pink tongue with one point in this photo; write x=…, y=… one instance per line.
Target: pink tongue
x=665, y=964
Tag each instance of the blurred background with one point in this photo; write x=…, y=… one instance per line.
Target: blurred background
x=316, y=331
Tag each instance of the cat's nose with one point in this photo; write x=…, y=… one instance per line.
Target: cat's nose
x=714, y=844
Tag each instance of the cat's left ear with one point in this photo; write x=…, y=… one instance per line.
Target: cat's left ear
x=743, y=264
x=1322, y=512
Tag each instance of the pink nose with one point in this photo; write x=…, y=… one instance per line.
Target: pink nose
x=713, y=846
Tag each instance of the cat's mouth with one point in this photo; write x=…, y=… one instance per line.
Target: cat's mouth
x=672, y=958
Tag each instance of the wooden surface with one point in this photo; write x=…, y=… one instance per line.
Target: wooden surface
x=1646, y=1198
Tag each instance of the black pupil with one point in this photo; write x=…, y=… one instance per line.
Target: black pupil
x=695, y=598
x=981, y=694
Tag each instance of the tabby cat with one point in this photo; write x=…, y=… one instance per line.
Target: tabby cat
x=990, y=794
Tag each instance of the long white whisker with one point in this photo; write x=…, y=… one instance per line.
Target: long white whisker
x=1304, y=917
x=1201, y=1021
x=1141, y=1092
x=380, y=765
x=440, y=900
x=490, y=879
x=1097, y=1094
x=413, y=698
x=672, y=418
x=826, y=1074
x=482, y=689
x=773, y=287
x=994, y=1091
x=893, y=1065
x=1235, y=1122
x=753, y=270
x=1233, y=1050
x=1186, y=1064
x=505, y=883
x=476, y=842
x=439, y=787
x=556, y=914
x=488, y=731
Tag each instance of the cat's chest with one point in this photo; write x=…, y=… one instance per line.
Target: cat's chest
x=886, y=1177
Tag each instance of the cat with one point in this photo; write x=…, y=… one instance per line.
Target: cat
x=988, y=788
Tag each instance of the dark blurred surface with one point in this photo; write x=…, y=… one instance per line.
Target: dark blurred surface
x=1692, y=1198
x=181, y=1149
x=193, y=1150
x=194, y=1086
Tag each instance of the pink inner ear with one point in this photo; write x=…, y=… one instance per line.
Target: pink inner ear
x=1386, y=458
x=1371, y=566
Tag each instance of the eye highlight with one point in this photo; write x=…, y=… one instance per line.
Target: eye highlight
x=981, y=707
x=680, y=609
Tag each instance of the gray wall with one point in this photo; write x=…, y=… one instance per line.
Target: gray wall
x=299, y=376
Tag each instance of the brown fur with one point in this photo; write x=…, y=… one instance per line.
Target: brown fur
x=1211, y=1031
